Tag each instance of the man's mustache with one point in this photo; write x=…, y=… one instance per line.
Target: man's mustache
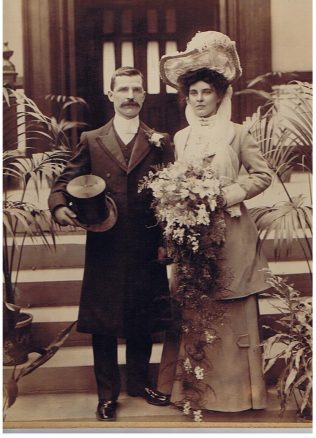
x=130, y=104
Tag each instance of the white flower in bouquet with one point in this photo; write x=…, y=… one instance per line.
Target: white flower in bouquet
x=186, y=408
x=197, y=415
x=199, y=373
x=209, y=337
x=185, y=329
x=203, y=217
x=193, y=240
x=178, y=235
x=187, y=365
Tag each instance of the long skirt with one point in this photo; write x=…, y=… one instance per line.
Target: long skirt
x=233, y=375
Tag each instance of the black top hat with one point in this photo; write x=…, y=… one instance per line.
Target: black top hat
x=95, y=210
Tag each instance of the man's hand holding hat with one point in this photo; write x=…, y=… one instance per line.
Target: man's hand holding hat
x=65, y=216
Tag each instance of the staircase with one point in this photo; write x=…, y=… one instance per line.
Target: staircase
x=49, y=284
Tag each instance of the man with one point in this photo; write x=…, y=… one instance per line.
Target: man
x=122, y=277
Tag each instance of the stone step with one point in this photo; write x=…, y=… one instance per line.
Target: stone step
x=43, y=333
x=74, y=411
x=51, y=287
x=69, y=251
x=71, y=370
x=49, y=321
x=267, y=306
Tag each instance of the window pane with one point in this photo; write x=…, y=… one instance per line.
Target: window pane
x=127, y=54
x=152, y=21
x=108, y=21
x=171, y=47
x=170, y=20
x=108, y=65
x=153, y=78
x=127, y=21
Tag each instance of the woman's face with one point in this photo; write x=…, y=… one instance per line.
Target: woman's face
x=203, y=99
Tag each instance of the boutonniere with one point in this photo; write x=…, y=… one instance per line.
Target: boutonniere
x=155, y=139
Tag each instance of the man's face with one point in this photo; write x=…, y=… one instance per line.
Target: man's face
x=127, y=96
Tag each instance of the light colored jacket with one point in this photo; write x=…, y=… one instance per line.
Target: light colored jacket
x=242, y=264
x=257, y=177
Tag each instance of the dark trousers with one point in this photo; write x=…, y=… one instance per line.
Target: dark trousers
x=106, y=368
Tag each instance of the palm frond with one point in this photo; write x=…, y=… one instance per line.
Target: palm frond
x=11, y=386
x=47, y=128
x=284, y=125
x=31, y=219
x=285, y=220
x=47, y=352
x=251, y=91
x=38, y=166
x=270, y=78
x=6, y=96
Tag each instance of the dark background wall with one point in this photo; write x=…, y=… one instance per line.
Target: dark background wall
x=63, y=49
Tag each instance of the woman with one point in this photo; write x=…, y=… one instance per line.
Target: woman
x=233, y=370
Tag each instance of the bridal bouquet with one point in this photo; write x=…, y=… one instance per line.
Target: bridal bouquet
x=187, y=198
x=188, y=205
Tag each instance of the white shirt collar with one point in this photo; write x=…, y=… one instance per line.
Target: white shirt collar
x=126, y=126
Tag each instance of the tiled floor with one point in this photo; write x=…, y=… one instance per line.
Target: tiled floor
x=78, y=411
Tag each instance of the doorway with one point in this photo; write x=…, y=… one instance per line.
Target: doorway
x=110, y=34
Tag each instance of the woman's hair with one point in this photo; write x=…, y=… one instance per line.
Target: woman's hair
x=211, y=77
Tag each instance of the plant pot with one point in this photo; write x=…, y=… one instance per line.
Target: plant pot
x=16, y=345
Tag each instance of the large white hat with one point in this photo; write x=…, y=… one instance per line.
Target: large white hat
x=210, y=49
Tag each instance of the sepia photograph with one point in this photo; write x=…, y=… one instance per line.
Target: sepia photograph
x=157, y=216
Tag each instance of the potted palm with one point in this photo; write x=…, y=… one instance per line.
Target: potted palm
x=292, y=343
x=284, y=133
x=11, y=390
x=283, y=128
x=24, y=215
x=21, y=219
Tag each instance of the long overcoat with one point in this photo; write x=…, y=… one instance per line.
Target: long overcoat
x=123, y=282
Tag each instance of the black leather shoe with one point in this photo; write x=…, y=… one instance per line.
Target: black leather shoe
x=106, y=410
x=152, y=396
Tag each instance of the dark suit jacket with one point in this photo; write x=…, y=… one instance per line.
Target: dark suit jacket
x=122, y=279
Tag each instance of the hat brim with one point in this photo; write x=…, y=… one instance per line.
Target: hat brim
x=109, y=222
x=173, y=66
